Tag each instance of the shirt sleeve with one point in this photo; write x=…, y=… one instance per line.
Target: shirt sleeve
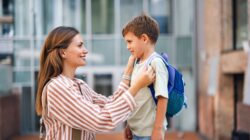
x=76, y=112
x=101, y=100
x=161, y=81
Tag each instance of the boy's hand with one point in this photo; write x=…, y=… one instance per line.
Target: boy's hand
x=157, y=134
x=127, y=133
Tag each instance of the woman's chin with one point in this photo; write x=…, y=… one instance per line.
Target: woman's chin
x=84, y=63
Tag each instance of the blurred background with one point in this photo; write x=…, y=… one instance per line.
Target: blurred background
x=207, y=40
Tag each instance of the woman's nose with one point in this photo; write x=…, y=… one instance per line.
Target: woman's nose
x=85, y=51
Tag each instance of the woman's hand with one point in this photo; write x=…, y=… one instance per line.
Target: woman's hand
x=146, y=77
x=130, y=65
x=128, y=70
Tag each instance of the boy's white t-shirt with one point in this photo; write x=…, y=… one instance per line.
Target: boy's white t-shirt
x=141, y=121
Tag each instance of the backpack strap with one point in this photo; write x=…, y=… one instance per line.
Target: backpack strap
x=171, y=69
x=171, y=72
x=151, y=86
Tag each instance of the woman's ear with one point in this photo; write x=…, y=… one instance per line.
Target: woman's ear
x=62, y=53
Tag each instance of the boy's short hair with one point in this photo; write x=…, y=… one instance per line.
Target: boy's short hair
x=143, y=24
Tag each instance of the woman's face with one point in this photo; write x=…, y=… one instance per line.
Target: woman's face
x=75, y=54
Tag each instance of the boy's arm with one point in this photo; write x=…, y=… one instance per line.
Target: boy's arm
x=159, y=119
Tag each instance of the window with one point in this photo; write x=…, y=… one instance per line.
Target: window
x=6, y=15
x=160, y=10
x=22, y=53
x=47, y=16
x=129, y=9
x=83, y=16
x=103, y=52
x=184, y=17
x=6, y=79
x=103, y=84
x=240, y=23
x=74, y=13
x=102, y=16
x=69, y=9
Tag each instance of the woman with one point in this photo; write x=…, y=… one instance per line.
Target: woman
x=69, y=107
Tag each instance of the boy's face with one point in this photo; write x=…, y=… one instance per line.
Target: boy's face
x=135, y=45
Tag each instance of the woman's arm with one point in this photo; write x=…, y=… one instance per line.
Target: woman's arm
x=75, y=111
x=101, y=100
x=123, y=86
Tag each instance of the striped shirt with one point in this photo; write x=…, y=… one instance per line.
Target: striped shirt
x=71, y=103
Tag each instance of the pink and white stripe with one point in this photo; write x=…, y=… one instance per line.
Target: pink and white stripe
x=88, y=111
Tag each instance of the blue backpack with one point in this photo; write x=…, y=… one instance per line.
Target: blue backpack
x=176, y=96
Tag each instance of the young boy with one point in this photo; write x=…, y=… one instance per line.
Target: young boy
x=148, y=121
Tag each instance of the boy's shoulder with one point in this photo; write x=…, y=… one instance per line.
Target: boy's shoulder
x=156, y=62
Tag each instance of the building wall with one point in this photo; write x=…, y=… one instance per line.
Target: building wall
x=218, y=65
x=9, y=116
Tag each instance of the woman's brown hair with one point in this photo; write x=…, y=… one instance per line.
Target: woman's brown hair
x=51, y=60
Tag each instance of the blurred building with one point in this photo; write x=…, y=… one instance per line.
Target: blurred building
x=208, y=40
x=223, y=68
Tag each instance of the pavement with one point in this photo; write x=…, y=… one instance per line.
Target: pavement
x=119, y=136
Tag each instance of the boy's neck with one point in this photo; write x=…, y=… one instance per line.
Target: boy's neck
x=147, y=54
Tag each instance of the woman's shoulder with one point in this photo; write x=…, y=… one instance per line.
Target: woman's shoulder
x=53, y=82
x=59, y=81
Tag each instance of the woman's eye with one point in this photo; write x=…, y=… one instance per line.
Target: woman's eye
x=80, y=45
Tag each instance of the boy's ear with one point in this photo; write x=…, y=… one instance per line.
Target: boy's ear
x=145, y=37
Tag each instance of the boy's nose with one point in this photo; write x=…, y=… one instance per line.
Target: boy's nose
x=128, y=47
